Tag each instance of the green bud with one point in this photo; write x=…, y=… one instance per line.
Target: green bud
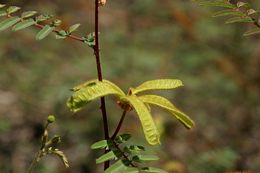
x=51, y=118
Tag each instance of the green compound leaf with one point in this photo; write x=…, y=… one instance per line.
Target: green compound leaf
x=239, y=19
x=24, y=24
x=120, y=167
x=150, y=131
x=44, y=32
x=251, y=32
x=8, y=23
x=12, y=9
x=99, y=145
x=228, y=13
x=107, y=156
x=166, y=104
x=74, y=27
x=153, y=170
x=28, y=14
x=92, y=90
x=158, y=84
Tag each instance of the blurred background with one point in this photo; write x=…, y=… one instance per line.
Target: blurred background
x=140, y=40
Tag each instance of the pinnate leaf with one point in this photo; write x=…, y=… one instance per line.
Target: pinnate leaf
x=24, y=24
x=44, y=32
x=150, y=131
x=8, y=22
x=166, y=104
x=158, y=84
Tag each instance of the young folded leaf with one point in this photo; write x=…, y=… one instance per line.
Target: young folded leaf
x=151, y=133
x=166, y=104
x=8, y=23
x=24, y=24
x=90, y=91
x=44, y=32
x=158, y=84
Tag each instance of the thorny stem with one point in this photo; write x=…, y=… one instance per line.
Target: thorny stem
x=100, y=77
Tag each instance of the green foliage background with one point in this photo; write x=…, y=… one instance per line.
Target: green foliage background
x=141, y=40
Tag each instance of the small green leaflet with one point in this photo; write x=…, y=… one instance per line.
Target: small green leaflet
x=148, y=157
x=150, y=130
x=166, y=104
x=73, y=28
x=89, y=91
x=239, y=19
x=228, y=13
x=107, y=156
x=251, y=32
x=28, y=14
x=12, y=9
x=8, y=23
x=224, y=4
x=158, y=84
x=100, y=144
x=24, y=24
x=44, y=32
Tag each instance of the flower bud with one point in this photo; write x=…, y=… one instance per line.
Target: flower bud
x=51, y=118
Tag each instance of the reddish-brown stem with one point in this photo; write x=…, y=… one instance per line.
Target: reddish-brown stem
x=119, y=125
x=100, y=76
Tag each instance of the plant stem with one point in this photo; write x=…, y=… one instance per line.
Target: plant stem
x=119, y=125
x=32, y=165
x=100, y=77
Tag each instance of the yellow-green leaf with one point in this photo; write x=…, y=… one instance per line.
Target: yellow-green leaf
x=12, y=9
x=92, y=90
x=2, y=5
x=150, y=130
x=8, y=23
x=158, y=84
x=28, y=14
x=44, y=32
x=239, y=19
x=24, y=24
x=166, y=104
x=74, y=27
